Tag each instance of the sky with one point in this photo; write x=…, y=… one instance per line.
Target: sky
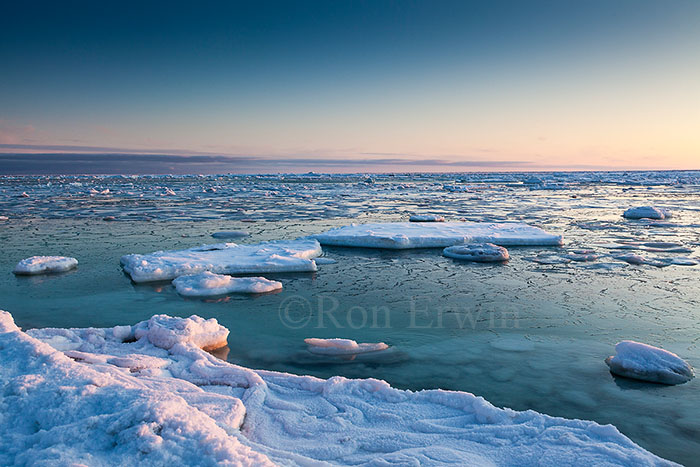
x=349, y=86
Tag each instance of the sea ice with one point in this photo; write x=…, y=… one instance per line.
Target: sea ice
x=154, y=396
x=648, y=363
x=230, y=234
x=402, y=235
x=341, y=346
x=647, y=212
x=45, y=264
x=478, y=252
x=426, y=218
x=209, y=284
x=224, y=258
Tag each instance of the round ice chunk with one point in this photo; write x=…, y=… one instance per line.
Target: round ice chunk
x=341, y=346
x=649, y=363
x=647, y=212
x=210, y=284
x=479, y=252
x=44, y=265
x=426, y=218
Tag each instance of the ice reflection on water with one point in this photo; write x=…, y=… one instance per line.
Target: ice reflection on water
x=523, y=335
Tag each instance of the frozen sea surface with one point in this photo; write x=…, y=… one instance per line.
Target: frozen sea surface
x=523, y=334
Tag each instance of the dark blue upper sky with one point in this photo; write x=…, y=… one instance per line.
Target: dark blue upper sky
x=547, y=83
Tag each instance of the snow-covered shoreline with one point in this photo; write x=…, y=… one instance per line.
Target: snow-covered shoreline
x=147, y=393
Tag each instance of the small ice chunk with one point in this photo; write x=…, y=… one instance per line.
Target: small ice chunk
x=209, y=284
x=341, y=346
x=649, y=363
x=478, y=252
x=582, y=255
x=4, y=218
x=647, y=212
x=230, y=234
x=45, y=265
x=165, y=331
x=426, y=218
x=403, y=235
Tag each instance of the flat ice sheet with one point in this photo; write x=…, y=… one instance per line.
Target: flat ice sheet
x=402, y=235
x=149, y=393
x=224, y=258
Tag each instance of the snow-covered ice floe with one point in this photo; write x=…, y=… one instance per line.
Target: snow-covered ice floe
x=149, y=394
x=477, y=252
x=649, y=363
x=224, y=258
x=207, y=284
x=647, y=212
x=402, y=235
x=45, y=265
x=341, y=346
x=426, y=218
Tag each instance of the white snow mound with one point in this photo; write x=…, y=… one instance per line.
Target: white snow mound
x=209, y=284
x=341, y=346
x=45, y=265
x=647, y=212
x=224, y=258
x=649, y=363
x=153, y=397
x=478, y=252
x=402, y=235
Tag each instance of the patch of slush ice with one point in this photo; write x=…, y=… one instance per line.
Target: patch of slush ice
x=426, y=218
x=187, y=407
x=208, y=284
x=582, y=255
x=402, y=235
x=224, y=258
x=647, y=212
x=341, y=346
x=230, y=234
x=649, y=363
x=550, y=259
x=478, y=252
x=45, y=265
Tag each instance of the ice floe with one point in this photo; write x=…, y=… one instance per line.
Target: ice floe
x=341, y=346
x=207, y=284
x=649, y=363
x=426, y=218
x=402, y=235
x=647, y=212
x=150, y=393
x=45, y=265
x=477, y=252
x=230, y=234
x=224, y=258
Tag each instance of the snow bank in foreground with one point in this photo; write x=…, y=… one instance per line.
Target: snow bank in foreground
x=647, y=212
x=648, y=363
x=45, y=264
x=401, y=235
x=224, y=258
x=209, y=284
x=479, y=252
x=341, y=346
x=148, y=394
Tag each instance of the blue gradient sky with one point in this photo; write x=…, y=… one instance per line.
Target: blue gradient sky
x=297, y=86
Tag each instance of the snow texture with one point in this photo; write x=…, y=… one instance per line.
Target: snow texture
x=209, y=284
x=224, y=258
x=402, y=235
x=149, y=395
x=478, y=252
x=649, y=363
x=45, y=265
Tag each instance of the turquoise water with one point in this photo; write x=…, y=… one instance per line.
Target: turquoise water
x=523, y=335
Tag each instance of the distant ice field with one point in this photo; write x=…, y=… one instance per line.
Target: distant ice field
x=532, y=333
